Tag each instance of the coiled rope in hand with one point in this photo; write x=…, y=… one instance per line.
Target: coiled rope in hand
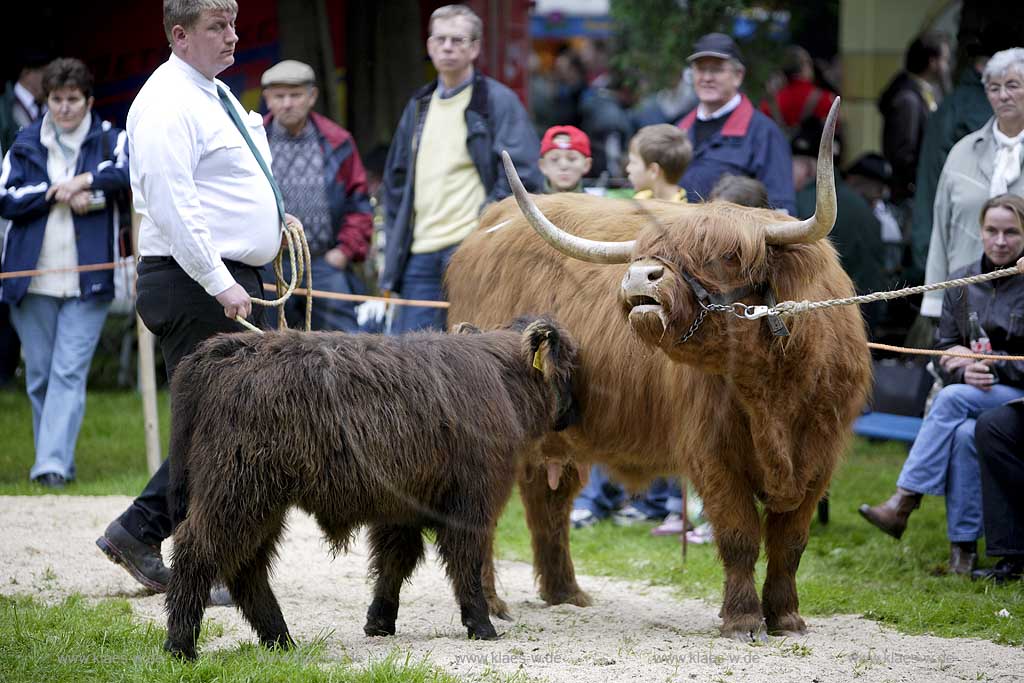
x=295, y=239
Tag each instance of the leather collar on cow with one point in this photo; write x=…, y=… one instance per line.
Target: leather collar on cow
x=710, y=301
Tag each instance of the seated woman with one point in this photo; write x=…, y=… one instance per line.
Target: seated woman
x=61, y=179
x=943, y=459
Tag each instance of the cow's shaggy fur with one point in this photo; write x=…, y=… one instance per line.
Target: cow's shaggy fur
x=398, y=433
x=747, y=416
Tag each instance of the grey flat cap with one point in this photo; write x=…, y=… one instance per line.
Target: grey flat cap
x=288, y=72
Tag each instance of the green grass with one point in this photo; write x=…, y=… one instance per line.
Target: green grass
x=110, y=457
x=76, y=641
x=848, y=567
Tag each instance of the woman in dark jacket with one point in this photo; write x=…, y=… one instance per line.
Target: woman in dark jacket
x=943, y=459
x=59, y=186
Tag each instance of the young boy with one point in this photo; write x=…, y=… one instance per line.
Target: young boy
x=658, y=156
x=564, y=159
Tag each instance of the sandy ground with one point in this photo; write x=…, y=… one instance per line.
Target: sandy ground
x=633, y=632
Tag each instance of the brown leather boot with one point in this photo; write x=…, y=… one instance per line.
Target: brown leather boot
x=963, y=558
x=892, y=515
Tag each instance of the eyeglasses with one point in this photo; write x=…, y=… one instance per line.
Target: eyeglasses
x=456, y=41
x=1012, y=88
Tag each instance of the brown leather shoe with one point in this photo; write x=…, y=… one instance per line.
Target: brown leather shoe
x=892, y=515
x=963, y=558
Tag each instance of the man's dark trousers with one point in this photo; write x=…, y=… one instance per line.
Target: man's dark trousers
x=999, y=435
x=181, y=315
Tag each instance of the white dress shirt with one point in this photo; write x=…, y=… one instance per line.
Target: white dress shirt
x=197, y=186
x=726, y=108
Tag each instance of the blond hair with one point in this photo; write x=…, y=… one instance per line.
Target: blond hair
x=1010, y=202
x=665, y=145
x=186, y=13
x=451, y=11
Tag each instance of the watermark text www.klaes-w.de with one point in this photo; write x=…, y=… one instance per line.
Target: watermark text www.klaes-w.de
x=510, y=658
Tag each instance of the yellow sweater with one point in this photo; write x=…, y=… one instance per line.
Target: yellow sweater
x=447, y=187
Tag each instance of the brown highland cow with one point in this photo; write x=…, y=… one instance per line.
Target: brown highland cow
x=667, y=387
x=400, y=433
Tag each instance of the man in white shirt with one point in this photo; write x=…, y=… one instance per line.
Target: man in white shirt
x=209, y=221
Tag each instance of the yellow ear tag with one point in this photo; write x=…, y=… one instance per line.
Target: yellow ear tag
x=538, y=362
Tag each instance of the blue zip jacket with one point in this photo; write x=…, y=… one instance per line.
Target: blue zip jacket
x=23, y=184
x=749, y=144
x=495, y=121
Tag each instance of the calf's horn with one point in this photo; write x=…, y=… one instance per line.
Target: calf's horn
x=569, y=244
x=820, y=224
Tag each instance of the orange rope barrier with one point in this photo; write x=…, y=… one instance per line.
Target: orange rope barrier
x=319, y=294
x=73, y=269
x=934, y=352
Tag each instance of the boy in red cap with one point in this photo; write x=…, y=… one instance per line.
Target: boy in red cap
x=564, y=159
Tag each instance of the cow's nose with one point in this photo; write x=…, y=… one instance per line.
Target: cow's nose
x=640, y=275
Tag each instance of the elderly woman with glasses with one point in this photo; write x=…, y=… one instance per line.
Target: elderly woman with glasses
x=982, y=165
x=59, y=187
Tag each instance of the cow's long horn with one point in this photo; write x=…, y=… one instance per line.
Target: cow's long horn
x=820, y=224
x=570, y=245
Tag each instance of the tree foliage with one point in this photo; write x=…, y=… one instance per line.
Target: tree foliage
x=654, y=37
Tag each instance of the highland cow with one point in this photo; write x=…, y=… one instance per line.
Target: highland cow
x=398, y=433
x=753, y=412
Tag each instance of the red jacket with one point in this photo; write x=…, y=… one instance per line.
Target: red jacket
x=792, y=99
x=346, y=187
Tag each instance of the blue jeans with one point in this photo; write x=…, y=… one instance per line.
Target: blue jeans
x=943, y=460
x=58, y=339
x=328, y=314
x=602, y=496
x=423, y=279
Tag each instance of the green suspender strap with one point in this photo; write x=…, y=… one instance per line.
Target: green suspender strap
x=293, y=234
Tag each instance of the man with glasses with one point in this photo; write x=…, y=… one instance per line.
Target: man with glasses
x=729, y=136
x=444, y=165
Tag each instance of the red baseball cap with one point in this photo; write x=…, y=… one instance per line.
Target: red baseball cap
x=578, y=140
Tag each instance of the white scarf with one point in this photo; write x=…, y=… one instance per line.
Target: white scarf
x=1006, y=169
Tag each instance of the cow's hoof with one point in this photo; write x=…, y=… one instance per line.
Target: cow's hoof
x=483, y=631
x=182, y=652
x=573, y=596
x=379, y=627
x=790, y=624
x=497, y=608
x=746, y=629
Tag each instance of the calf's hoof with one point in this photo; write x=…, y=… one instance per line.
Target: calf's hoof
x=746, y=629
x=381, y=617
x=281, y=642
x=379, y=627
x=789, y=624
x=186, y=653
x=484, y=631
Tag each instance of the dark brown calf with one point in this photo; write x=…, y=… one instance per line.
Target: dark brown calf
x=398, y=433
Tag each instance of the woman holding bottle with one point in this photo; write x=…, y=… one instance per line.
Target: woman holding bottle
x=943, y=460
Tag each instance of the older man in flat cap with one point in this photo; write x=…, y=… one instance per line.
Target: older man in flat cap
x=317, y=165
